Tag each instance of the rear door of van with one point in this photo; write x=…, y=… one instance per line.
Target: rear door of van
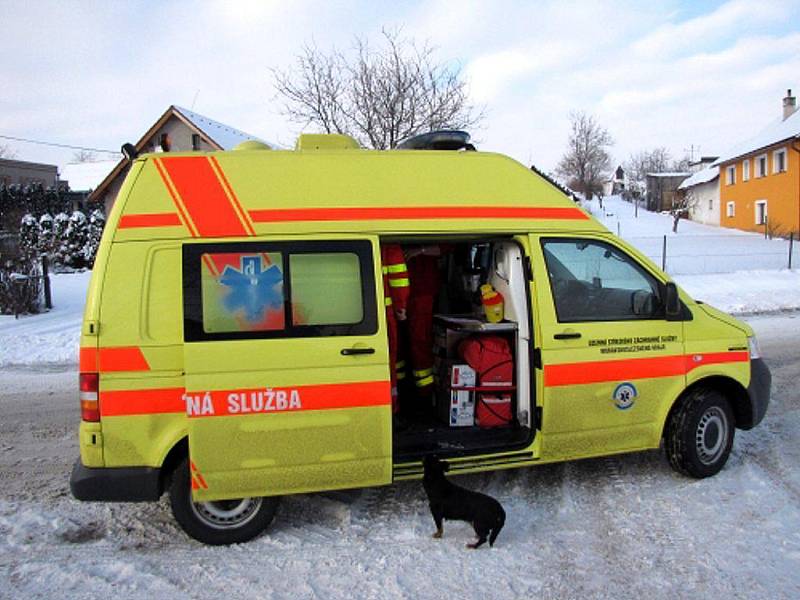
x=286, y=358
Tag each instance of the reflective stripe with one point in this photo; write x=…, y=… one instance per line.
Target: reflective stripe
x=395, y=269
x=635, y=368
x=423, y=372
x=401, y=375
x=399, y=282
x=425, y=381
x=385, y=270
x=400, y=364
x=387, y=300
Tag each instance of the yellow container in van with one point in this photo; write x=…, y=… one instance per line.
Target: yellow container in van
x=235, y=339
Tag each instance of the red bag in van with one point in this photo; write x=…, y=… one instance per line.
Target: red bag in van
x=490, y=356
x=493, y=410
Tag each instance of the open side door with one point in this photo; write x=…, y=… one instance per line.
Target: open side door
x=286, y=358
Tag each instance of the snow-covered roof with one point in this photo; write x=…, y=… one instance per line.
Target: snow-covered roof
x=777, y=131
x=670, y=174
x=704, y=176
x=86, y=176
x=225, y=136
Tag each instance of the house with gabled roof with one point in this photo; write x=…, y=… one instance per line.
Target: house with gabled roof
x=177, y=130
x=760, y=178
x=702, y=192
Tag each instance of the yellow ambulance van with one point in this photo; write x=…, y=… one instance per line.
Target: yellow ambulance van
x=235, y=340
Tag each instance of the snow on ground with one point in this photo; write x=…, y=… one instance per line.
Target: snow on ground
x=52, y=337
x=695, y=248
x=616, y=527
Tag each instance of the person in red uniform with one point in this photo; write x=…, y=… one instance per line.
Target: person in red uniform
x=395, y=292
x=423, y=271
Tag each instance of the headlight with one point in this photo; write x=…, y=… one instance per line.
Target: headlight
x=754, y=351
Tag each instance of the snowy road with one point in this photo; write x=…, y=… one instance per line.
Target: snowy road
x=620, y=527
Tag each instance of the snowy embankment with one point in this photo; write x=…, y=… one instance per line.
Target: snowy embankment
x=52, y=337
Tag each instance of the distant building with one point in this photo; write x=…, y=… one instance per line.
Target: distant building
x=703, y=163
x=616, y=183
x=703, y=191
x=25, y=173
x=760, y=178
x=177, y=130
x=662, y=190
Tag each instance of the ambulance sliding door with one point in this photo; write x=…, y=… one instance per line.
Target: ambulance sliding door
x=611, y=361
x=287, y=380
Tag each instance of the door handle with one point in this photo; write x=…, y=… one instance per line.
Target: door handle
x=352, y=351
x=567, y=335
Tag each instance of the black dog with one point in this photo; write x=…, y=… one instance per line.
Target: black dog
x=449, y=501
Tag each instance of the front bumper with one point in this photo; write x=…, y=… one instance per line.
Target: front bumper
x=122, y=484
x=758, y=392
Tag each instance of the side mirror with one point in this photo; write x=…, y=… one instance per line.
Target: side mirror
x=672, y=304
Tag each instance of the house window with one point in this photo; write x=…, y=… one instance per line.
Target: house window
x=195, y=141
x=746, y=170
x=761, y=165
x=731, y=174
x=779, y=161
x=761, y=212
x=710, y=204
x=731, y=207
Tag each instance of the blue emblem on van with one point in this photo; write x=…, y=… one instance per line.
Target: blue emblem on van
x=625, y=395
x=252, y=289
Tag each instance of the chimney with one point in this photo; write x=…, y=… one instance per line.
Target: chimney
x=789, y=105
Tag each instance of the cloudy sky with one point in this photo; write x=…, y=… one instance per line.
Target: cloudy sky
x=668, y=73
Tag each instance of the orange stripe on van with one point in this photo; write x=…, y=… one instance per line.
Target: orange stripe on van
x=634, y=368
x=150, y=220
x=237, y=206
x=175, y=198
x=277, y=400
x=415, y=213
x=123, y=358
x=199, y=189
x=116, y=403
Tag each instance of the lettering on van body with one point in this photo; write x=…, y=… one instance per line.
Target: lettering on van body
x=201, y=404
x=632, y=344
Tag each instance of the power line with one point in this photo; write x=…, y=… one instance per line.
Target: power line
x=18, y=139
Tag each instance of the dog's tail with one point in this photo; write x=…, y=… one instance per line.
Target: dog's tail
x=501, y=520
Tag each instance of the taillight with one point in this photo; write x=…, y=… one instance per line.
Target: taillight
x=90, y=397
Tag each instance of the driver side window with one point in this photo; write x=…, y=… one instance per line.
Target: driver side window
x=594, y=281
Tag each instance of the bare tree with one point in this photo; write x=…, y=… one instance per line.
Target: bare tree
x=7, y=152
x=380, y=96
x=82, y=156
x=586, y=160
x=683, y=203
x=638, y=165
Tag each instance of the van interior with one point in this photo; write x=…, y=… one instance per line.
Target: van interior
x=482, y=399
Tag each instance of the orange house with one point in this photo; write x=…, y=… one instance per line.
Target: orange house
x=759, y=180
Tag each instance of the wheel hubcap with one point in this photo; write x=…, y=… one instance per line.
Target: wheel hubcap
x=711, y=437
x=227, y=514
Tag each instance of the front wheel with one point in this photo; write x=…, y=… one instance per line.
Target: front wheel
x=219, y=522
x=700, y=434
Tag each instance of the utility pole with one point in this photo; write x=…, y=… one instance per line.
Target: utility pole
x=691, y=150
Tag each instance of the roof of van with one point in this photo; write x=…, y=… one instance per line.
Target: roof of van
x=253, y=192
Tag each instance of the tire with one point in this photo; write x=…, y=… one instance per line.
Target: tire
x=221, y=522
x=700, y=434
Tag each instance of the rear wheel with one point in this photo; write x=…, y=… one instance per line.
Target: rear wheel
x=700, y=434
x=218, y=522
